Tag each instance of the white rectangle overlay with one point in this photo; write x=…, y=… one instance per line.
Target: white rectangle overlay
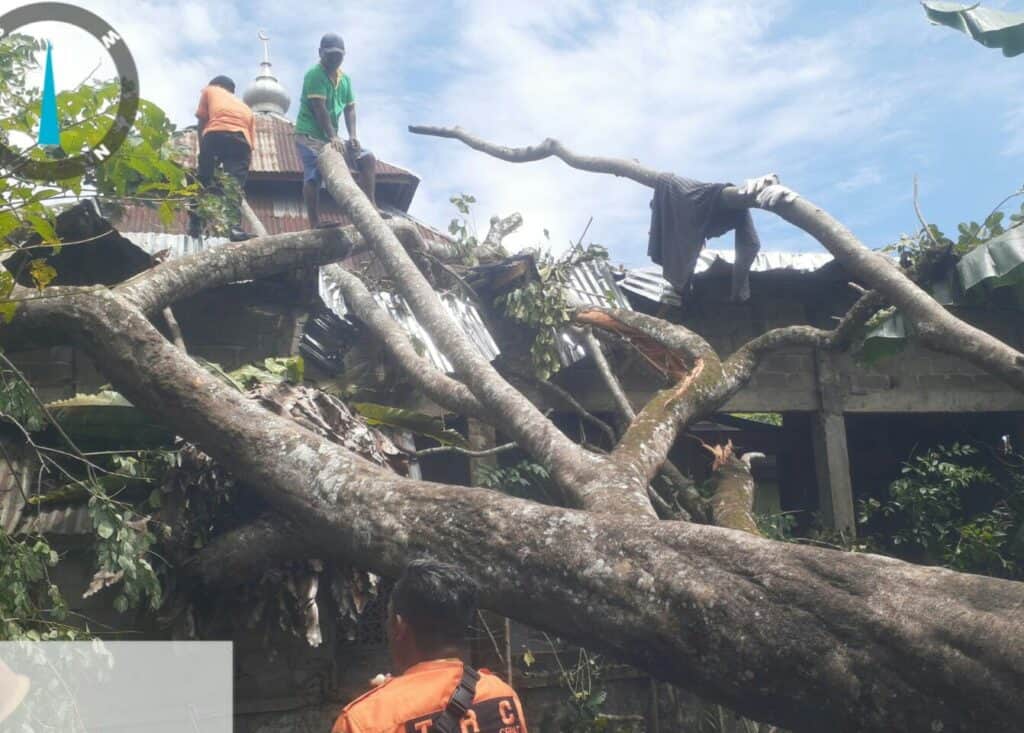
x=122, y=686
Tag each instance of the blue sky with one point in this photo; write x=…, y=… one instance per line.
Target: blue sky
x=846, y=101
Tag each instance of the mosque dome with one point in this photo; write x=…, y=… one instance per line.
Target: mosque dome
x=266, y=93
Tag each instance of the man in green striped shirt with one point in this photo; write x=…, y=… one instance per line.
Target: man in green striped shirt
x=326, y=96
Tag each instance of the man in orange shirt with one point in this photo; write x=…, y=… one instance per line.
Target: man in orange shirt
x=227, y=130
x=430, y=611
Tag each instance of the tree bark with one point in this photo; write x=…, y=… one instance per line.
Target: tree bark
x=570, y=466
x=804, y=637
x=732, y=504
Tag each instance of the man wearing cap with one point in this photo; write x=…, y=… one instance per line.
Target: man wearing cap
x=326, y=94
x=430, y=611
x=227, y=130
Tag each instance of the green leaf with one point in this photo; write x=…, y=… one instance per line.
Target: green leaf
x=108, y=419
x=416, y=422
x=43, y=227
x=42, y=273
x=8, y=308
x=166, y=213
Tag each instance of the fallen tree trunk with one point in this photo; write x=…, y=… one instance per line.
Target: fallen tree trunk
x=803, y=637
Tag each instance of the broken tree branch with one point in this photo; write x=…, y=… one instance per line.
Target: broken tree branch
x=504, y=448
x=568, y=463
x=687, y=494
x=175, y=329
x=594, y=350
x=546, y=149
x=935, y=326
x=499, y=229
x=732, y=504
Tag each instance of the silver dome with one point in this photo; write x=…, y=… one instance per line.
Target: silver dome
x=266, y=93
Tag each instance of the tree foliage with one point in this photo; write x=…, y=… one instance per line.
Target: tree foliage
x=954, y=506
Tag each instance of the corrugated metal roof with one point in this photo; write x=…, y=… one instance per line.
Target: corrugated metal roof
x=766, y=261
x=274, y=150
x=18, y=480
x=464, y=313
x=180, y=245
x=280, y=213
x=648, y=282
x=590, y=283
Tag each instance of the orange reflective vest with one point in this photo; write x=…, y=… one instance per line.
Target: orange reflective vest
x=408, y=704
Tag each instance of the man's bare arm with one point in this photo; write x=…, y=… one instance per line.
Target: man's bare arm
x=350, y=124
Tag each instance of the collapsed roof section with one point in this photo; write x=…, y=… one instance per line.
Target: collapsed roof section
x=462, y=311
x=647, y=282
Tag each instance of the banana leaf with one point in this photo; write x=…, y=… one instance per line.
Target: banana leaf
x=416, y=422
x=107, y=419
x=991, y=28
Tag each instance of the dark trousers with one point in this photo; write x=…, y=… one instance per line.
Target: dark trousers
x=231, y=151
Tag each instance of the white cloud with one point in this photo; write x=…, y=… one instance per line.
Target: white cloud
x=865, y=176
x=704, y=89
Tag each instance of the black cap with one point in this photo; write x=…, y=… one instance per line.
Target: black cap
x=332, y=43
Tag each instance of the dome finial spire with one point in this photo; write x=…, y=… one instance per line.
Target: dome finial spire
x=266, y=46
x=266, y=94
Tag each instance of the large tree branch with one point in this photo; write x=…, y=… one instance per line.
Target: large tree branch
x=569, y=464
x=688, y=495
x=935, y=326
x=742, y=364
x=439, y=387
x=644, y=447
x=547, y=149
x=851, y=642
x=732, y=504
x=254, y=259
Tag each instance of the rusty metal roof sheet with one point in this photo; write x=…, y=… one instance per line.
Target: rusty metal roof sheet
x=464, y=313
x=280, y=213
x=590, y=283
x=274, y=150
x=17, y=481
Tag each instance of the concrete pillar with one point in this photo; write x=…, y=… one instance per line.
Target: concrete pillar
x=831, y=455
x=481, y=437
x=832, y=468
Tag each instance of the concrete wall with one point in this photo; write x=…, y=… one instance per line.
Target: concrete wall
x=230, y=326
x=916, y=380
